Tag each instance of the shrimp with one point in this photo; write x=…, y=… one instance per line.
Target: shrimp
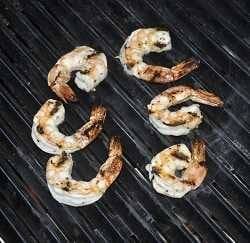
x=176, y=171
x=68, y=191
x=144, y=41
x=182, y=121
x=91, y=67
x=48, y=138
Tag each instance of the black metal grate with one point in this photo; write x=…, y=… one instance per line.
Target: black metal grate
x=34, y=34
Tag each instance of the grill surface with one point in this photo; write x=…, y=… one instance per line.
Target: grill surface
x=34, y=34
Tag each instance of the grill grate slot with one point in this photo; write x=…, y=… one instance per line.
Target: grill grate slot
x=35, y=33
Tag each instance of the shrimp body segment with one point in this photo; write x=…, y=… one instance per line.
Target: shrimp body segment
x=68, y=191
x=91, y=68
x=48, y=138
x=144, y=41
x=175, y=170
x=182, y=121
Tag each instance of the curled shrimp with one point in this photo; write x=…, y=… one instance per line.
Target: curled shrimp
x=48, y=138
x=79, y=193
x=91, y=68
x=144, y=41
x=182, y=121
x=175, y=170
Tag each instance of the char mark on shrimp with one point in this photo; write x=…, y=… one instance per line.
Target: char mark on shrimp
x=40, y=129
x=86, y=71
x=130, y=65
x=62, y=159
x=179, y=173
x=174, y=123
x=188, y=182
x=160, y=44
x=57, y=104
x=67, y=186
x=177, y=154
x=90, y=132
x=202, y=163
x=176, y=177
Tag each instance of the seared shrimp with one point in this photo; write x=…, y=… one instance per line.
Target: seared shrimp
x=79, y=193
x=48, y=138
x=175, y=170
x=144, y=41
x=91, y=67
x=179, y=122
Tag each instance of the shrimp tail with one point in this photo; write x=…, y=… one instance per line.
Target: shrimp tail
x=94, y=126
x=98, y=113
x=207, y=98
x=64, y=91
x=198, y=151
x=115, y=148
x=184, y=68
x=197, y=171
x=111, y=169
x=56, y=80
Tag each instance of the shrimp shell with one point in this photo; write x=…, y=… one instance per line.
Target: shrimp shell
x=48, y=138
x=175, y=171
x=91, y=68
x=68, y=191
x=182, y=121
x=144, y=41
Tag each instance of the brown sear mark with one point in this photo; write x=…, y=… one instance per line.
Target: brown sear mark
x=174, y=92
x=179, y=155
x=188, y=182
x=91, y=131
x=53, y=83
x=156, y=171
x=202, y=163
x=67, y=186
x=85, y=71
x=173, y=124
x=57, y=76
x=171, y=176
x=112, y=170
x=159, y=44
x=40, y=129
x=58, y=145
x=130, y=65
x=179, y=173
x=63, y=158
x=93, y=54
x=55, y=108
x=192, y=114
x=156, y=74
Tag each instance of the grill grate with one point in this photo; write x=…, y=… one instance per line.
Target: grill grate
x=35, y=33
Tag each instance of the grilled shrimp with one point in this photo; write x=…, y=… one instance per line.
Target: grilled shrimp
x=48, y=138
x=79, y=193
x=182, y=121
x=144, y=41
x=175, y=170
x=91, y=68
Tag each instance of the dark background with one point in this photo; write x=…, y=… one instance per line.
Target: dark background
x=34, y=34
